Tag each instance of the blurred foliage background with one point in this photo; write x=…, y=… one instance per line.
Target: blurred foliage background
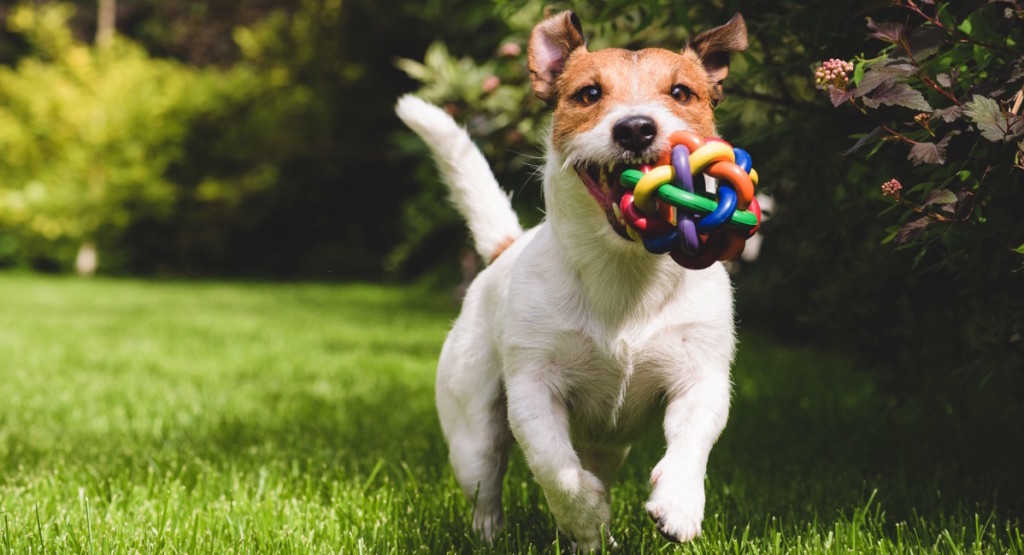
x=255, y=138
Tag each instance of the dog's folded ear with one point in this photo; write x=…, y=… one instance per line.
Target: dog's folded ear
x=714, y=45
x=551, y=42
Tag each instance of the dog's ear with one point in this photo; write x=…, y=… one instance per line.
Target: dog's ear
x=551, y=42
x=714, y=45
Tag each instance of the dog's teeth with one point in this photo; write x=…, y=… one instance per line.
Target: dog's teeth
x=618, y=213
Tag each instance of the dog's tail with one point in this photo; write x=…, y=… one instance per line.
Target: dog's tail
x=475, y=192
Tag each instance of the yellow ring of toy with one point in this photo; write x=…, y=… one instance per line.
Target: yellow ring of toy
x=713, y=151
x=643, y=192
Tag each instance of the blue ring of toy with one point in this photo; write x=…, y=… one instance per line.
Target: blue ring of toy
x=743, y=159
x=722, y=213
x=663, y=244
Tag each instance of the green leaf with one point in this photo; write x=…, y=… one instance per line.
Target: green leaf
x=414, y=69
x=892, y=235
x=858, y=72
x=966, y=27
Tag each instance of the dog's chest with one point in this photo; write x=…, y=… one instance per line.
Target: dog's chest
x=613, y=385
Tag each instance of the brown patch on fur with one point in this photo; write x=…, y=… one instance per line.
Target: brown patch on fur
x=502, y=247
x=630, y=77
x=551, y=43
x=713, y=47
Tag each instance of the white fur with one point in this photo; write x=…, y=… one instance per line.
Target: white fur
x=594, y=144
x=476, y=194
x=573, y=342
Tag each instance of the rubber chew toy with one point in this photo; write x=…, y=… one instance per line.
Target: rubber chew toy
x=670, y=211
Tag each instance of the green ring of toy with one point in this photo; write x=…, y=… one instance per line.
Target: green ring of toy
x=681, y=198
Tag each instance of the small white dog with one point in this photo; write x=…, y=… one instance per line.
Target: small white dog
x=574, y=339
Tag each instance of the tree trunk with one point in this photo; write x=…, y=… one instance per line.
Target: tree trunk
x=106, y=22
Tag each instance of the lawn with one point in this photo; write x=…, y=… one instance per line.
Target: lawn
x=211, y=417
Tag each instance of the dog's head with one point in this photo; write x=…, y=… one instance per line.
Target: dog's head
x=615, y=108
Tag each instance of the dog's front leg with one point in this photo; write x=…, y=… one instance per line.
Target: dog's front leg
x=540, y=424
x=694, y=418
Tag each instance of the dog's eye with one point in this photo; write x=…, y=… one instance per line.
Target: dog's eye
x=682, y=93
x=588, y=95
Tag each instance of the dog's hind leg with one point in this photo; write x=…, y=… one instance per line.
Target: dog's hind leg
x=471, y=406
x=604, y=462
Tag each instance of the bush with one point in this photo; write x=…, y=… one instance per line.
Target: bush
x=92, y=137
x=944, y=93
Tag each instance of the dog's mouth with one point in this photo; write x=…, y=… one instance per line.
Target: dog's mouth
x=602, y=182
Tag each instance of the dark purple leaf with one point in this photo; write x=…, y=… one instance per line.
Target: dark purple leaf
x=993, y=123
x=838, y=96
x=1016, y=126
x=889, y=32
x=923, y=42
x=874, y=134
x=897, y=94
x=878, y=75
x=926, y=153
x=911, y=229
x=964, y=206
x=940, y=196
x=1018, y=71
x=948, y=115
x=931, y=153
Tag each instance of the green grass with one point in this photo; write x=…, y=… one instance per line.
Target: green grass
x=240, y=418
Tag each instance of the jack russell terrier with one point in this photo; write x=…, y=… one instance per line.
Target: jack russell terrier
x=574, y=339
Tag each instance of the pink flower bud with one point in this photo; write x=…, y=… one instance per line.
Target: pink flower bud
x=490, y=83
x=892, y=189
x=510, y=50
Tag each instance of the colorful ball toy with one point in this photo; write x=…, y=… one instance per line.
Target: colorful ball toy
x=670, y=211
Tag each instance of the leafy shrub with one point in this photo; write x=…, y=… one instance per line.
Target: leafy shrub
x=945, y=92
x=95, y=139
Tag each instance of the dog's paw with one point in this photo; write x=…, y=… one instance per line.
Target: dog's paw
x=488, y=523
x=578, y=502
x=609, y=545
x=679, y=528
x=676, y=506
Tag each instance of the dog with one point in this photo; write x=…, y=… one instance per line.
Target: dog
x=574, y=339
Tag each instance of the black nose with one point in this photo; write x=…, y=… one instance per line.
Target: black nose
x=635, y=133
